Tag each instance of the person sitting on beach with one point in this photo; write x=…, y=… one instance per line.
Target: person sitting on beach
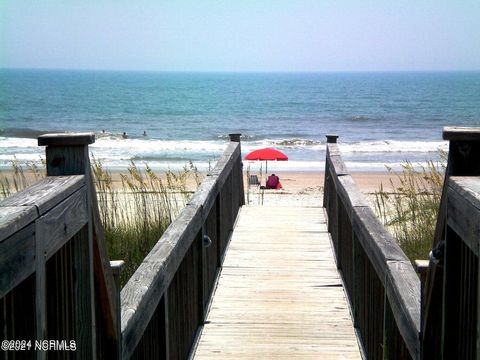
x=273, y=182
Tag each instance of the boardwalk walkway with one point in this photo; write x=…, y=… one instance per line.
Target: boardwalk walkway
x=279, y=294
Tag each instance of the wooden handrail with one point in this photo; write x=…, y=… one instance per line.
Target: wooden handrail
x=45, y=272
x=145, y=298
x=41, y=202
x=365, y=251
x=463, y=155
x=373, y=265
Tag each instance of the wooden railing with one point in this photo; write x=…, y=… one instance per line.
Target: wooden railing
x=49, y=248
x=383, y=287
x=164, y=302
x=57, y=283
x=393, y=317
x=450, y=308
x=460, y=305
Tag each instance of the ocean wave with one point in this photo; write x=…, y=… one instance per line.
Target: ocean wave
x=21, y=133
x=383, y=146
x=215, y=146
x=137, y=146
x=296, y=142
x=28, y=157
x=243, y=137
x=394, y=146
x=359, y=118
x=13, y=142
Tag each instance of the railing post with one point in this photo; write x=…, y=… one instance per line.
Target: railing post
x=236, y=138
x=329, y=195
x=116, y=267
x=67, y=154
x=332, y=139
x=464, y=151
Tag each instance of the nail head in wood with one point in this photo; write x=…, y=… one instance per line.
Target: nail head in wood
x=65, y=139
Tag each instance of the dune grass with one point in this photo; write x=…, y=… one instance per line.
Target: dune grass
x=134, y=213
x=410, y=211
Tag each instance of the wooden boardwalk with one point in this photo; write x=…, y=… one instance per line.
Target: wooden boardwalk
x=279, y=294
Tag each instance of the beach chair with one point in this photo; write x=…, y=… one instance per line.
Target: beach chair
x=253, y=180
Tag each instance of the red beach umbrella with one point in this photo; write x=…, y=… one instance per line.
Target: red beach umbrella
x=266, y=154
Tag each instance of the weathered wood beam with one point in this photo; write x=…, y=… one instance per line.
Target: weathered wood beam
x=142, y=293
x=46, y=202
x=463, y=210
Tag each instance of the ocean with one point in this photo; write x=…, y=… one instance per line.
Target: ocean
x=382, y=119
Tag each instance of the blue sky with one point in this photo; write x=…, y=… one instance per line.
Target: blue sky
x=295, y=35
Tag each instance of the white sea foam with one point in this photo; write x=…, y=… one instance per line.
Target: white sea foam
x=154, y=145
x=304, y=154
x=22, y=157
x=392, y=146
x=384, y=146
x=12, y=142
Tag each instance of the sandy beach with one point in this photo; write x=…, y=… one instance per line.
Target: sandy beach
x=302, y=184
x=307, y=187
x=298, y=187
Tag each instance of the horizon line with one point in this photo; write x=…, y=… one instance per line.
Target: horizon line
x=242, y=71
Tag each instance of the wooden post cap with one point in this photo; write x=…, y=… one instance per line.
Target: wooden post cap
x=332, y=139
x=461, y=133
x=66, y=139
x=235, y=137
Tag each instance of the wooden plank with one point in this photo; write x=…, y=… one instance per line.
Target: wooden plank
x=376, y=241
x=40, y=287
x=63, y=221
x=14, y=218
x=468, y=187
x=403, y=292
x=453, y=133
x=224, y=166
x=66, y=139
x=350, y=194
x=17, y=258
x=286, y=303
x=463, y=216
x=46, y=193
x=336, y=165
x=332, y=149
x=83, y=308
x=108, y=294
x=142, y=293
x=206, y=194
